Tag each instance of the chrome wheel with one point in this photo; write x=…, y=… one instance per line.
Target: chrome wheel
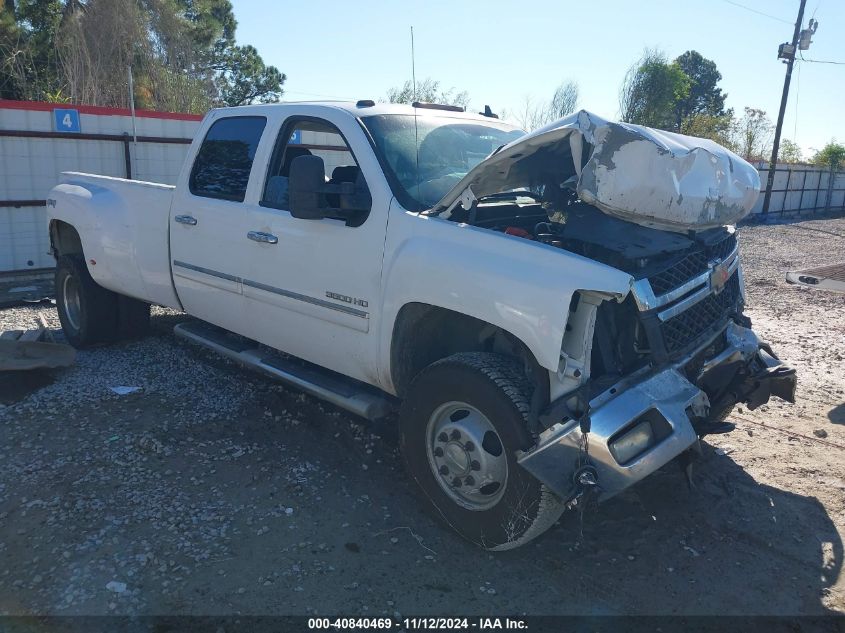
x=466, y=455
x=72, y=301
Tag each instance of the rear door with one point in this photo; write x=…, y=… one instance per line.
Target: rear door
x=208, y=222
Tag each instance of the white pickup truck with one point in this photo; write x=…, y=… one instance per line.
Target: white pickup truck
x=554, y=315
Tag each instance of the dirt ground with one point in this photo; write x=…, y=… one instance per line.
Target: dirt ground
x=211, y=490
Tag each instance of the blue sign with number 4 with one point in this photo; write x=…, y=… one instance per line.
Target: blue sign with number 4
x=66, y=120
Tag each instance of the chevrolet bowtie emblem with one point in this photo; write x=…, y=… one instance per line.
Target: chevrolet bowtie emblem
x=719, y=277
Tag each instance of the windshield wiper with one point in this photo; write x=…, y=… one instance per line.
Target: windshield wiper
x=502, y=195
x=512, y=195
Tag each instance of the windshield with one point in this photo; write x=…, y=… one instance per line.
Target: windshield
x=425, y=161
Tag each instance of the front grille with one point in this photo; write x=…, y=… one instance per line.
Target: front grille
x=722, y=249
x=682, y=331
x=691, y=265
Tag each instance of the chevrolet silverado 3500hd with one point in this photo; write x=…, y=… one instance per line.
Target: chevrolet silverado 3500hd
x=555, y=315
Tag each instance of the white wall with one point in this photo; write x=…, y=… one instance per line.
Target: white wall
x=30, y=167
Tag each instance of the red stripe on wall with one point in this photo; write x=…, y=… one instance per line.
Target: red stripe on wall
x=43, y=106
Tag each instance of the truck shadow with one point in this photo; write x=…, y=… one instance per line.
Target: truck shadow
x=730, y=546
x=17, y=385
x=837, y=414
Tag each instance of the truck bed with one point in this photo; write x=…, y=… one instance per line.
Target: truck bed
x=123, y=225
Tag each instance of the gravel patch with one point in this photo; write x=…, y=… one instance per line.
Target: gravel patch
x=154, y=364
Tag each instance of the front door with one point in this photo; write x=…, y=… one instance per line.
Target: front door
x=313, y=286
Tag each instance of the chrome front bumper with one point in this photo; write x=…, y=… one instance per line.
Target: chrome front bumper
x=670, y=401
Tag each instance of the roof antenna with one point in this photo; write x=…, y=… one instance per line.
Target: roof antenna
x=413, y=65
x=414, y=102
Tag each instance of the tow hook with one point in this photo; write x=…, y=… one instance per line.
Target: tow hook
x=586, y=480
x=586, y=477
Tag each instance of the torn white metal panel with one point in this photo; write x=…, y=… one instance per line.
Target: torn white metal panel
x=647, y=176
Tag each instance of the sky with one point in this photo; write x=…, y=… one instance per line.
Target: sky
x=504, y=52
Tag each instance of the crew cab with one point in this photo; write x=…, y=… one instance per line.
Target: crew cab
x=553, y=315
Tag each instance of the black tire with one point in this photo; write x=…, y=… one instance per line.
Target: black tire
x=88, y=312
x=496, y=386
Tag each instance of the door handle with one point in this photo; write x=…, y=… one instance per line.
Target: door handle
x=186, y=219
x=264, y=238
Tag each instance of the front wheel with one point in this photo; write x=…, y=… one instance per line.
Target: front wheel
x=461, y=425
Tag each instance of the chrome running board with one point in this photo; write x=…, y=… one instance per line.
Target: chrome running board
x=346, y=393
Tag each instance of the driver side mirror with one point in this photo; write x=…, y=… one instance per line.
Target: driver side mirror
x=306, y=184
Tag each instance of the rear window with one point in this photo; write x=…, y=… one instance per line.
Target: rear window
x=221, y=168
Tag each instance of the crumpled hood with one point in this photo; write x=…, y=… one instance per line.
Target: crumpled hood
x=654, y=178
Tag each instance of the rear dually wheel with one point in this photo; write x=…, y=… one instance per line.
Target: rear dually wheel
x=91, y=315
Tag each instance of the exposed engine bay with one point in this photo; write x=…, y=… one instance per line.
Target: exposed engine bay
x=687, y=290
x=562, y=220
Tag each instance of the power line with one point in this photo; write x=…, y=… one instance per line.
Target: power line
x=767, y=15
x=821, y=61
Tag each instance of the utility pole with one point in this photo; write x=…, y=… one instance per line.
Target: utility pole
x=787, y=52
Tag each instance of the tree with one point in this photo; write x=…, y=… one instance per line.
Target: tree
x=564, y=101
x=92, y=62
x=651, y=90
x=704, y=96
x=247, y=79
x=533, y=115
x=789, y=151
x=831, y=155
x=754, y=134
x=183, y=54
x=11, y=49
x=427, y=91
x=199, y=36
x=716, y=128
x=27, y=33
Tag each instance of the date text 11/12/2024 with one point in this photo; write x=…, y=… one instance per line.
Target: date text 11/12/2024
x=422, y=623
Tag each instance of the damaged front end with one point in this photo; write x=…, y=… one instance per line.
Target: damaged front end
x=641, y=377
x=666, y=366
x=647, y=420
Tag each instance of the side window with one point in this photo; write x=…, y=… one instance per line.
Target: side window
x=221, y=168
x=314, y=137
